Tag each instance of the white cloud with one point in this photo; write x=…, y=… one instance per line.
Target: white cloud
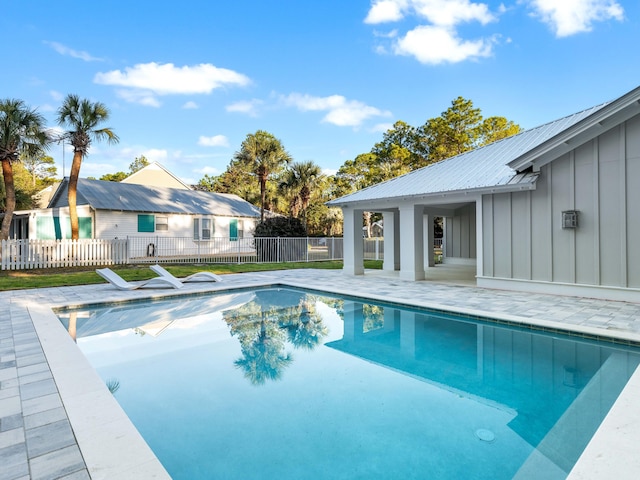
x=138, y=96
x=248, y=107
x=436, y=12
x=207, y=171
x=190, y=106
x=340, y=111
x=57, y=96
x=126, y=154
x=381, y=127
x=47, y=107
x=391, y=34
x=66, y=51
x=436, y=40
x=145, y=81
x=215, y=141
x=435, y=45
x=383, y=11
x=568, y=17
x=90, y=169
x=448, y=13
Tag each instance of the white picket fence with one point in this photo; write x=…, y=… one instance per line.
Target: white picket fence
x=30, y=254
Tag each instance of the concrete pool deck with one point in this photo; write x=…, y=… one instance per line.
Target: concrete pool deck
x=58, y=419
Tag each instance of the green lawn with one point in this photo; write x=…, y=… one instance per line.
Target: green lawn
x=58, y=277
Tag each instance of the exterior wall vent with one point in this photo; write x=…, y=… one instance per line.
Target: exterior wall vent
x=570, y=219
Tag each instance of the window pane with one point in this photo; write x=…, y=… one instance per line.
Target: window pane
x=162, y=224
x=206, y=228
x=196, y=229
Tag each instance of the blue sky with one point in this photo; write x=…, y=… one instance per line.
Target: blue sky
x=187, y=81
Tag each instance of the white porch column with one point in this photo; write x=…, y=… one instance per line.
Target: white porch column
x=479, y=239
x=353, y=243
x=353, y=320
x=412, y=243
x=408, y=333
x=391, y=260
x=428, y=238
x=390, y=317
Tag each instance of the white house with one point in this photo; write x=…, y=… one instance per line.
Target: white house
x=109, y=210
x=553, y=209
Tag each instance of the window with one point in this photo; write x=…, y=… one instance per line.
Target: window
x=49, y=228
x=45, y=229
x=206, y=229
x=146, y=223
x=233, y=229
x=203, y=228
x=162, y=224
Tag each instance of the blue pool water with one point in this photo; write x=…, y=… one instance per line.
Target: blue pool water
x=282, y=383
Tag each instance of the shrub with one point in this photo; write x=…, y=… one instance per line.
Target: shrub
x=280, y=227
x=272, y=249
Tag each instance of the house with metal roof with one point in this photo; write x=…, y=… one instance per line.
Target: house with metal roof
x=110, y=210
x=551, y=209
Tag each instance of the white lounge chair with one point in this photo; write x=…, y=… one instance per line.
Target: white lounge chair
x=196, y=277
x=121, y=284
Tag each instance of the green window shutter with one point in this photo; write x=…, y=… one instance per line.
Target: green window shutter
x=45, y=229
x=233, y=229
x=146, y=223
x=58, y=228
x=84, y=227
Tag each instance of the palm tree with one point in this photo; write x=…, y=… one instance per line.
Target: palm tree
x=301, y=179
x=263, y=154
x=262, y=341
x=22, y=131
x=81, y=117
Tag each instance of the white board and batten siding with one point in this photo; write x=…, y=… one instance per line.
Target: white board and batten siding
x=460, y=236
x=601, y=180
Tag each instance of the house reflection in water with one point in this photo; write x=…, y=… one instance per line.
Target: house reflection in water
x=560, y=388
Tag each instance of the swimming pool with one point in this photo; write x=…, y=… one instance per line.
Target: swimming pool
x=281, y=383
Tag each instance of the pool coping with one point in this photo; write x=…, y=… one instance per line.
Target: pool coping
x=112, y=447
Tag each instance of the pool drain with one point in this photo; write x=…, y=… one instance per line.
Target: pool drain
x=485, y=435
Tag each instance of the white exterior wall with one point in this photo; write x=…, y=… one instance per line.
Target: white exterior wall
x=63, y=214
x=110, y=224
x=523, y=238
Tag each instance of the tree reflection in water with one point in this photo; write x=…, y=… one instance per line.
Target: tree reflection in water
x=263, y=330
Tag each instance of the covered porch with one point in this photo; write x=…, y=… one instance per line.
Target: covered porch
x=409, y=239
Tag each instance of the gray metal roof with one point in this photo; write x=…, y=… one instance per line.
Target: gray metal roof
x=483, y=168
x=129, y=197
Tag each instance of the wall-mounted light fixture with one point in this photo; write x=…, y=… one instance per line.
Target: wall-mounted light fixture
x=570, y=219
